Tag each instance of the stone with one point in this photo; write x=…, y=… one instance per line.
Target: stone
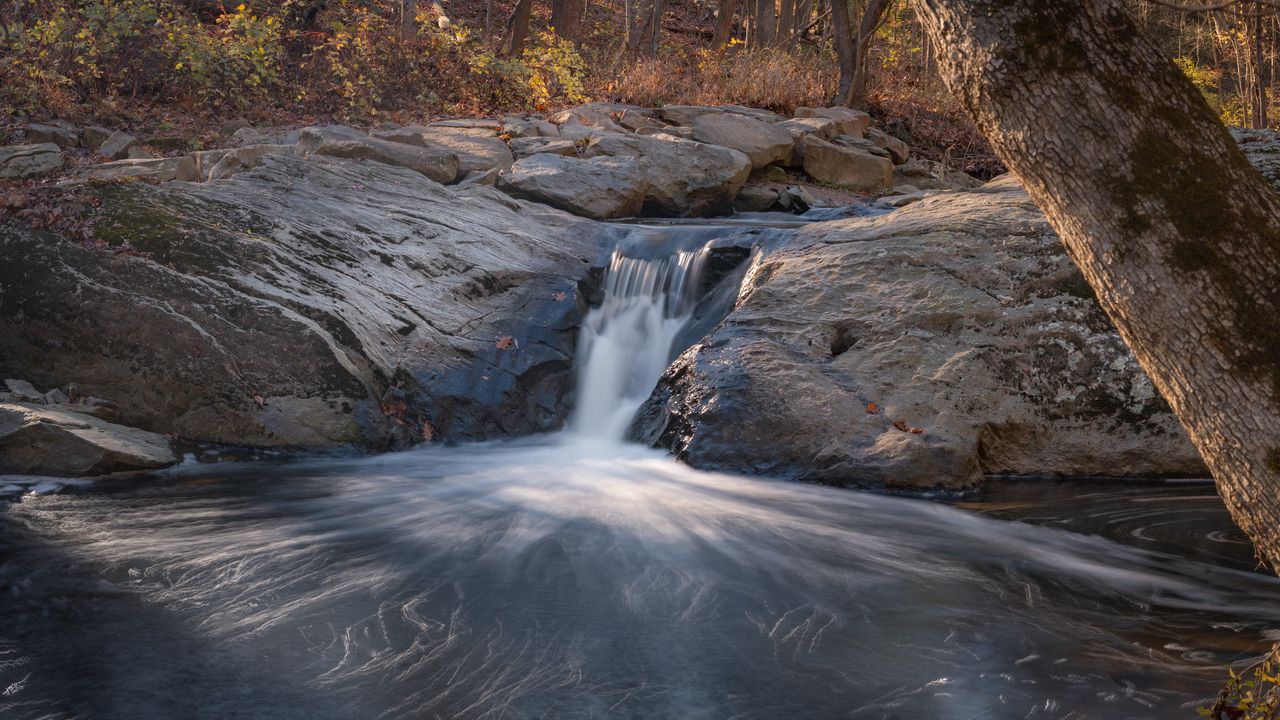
x=58, y=132
x=598, y=187
x=850, y=121
x=18, y=162
x=671, y=131
x=116, y=147
x=475, y=153
x=635, y=121
x=847, y=167
x=686, y=114
x=56, y=397
x=95, y=135
x=932, y=175
x=137, y=152
x=899, y=152
x=684, y=178
x=798, y=199
x=526, y=146
x=24, y=391
x=244, y=136
x=487, y=124
x=516, y=127
x=318, y=285
x=760, y=114
x=227, y=163
x=481, y=177
x=825, y=128
x=47, y=441
x=765, y=144
x=433, y=162
x=168, y=143
x=960, y=315
x=772, y=173
x=153, y=169
x=755, y=198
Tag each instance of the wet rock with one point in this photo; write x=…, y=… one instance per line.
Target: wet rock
x=275, y=310
x=116, y=146
x=18, y=162
x=765, y=144
x=960, y=315
x=37, y=440
x=850, y=121
x=435, y=162
x=848, y=167
x=59, y=132
x=599, y=187
x=684, y=178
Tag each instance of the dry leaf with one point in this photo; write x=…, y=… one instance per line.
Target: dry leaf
x=506, y=342
x=559, y=296
x=916, y=430
x=428, y=432
x=258, y=399
x=901, y=425
x=872, y=408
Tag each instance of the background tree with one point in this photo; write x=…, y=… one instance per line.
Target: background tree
x=1172, y=227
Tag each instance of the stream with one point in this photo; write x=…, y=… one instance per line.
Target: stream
x=575, y=575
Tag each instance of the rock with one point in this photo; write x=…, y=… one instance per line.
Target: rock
x=137, y=152
x=1262, y=148
x=524, y=147
x=516, y=127
x=229, y=129
x=636, y=120
x=23, y=391
x=168, y=143
x=227, y=163
x=898, y=151
x=481, y=177
x=598, y=187
x=602, y=116
x=765, y=144
x=824, y=128
x=117, y=146
x=684, y=178
x=46, y=441
x=434, y=162
x=960, y=315
x=672, y=131
x=932, y=175
x=475, y=153
x=797, y=199
x=772, y=173
x=686, y=114
x=95, y=135
x=850, y=121
x=486, y=124
x=18, y=162
x=56, y=397
x=245, y=136
x=317, y=285
x=154, y=169
x=755, y=198
x=59, y=132
x=767, y=116
x=847, y=167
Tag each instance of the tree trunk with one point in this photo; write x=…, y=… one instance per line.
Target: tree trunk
x=872, y=18
x=846, y=53
x=565, y=18
x=408, y=20
x=724, y=23
x=786, y=15
x=766, y=23
x=518, y=27
x=1176, y=232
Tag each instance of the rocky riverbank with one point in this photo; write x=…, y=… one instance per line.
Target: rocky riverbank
x=331, y=287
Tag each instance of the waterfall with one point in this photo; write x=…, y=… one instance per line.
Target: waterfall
x=627, y=342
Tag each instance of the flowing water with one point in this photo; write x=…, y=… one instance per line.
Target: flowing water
x=575, y=576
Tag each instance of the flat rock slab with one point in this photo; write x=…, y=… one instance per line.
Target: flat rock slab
x=36, y=440
x=18, y=162
x=476, y=153
x=764, y=143
x=601, y=188
x=684, y=178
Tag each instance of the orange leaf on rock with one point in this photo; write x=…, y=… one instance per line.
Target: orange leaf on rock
x=506, y=342
x=559, y=296
x=872, y=408
x=916, y=430
x=428, y=432
x=901, y=425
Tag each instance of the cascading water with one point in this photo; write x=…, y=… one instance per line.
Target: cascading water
x=627, y=342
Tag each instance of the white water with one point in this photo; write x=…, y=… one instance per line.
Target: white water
x=627, y=342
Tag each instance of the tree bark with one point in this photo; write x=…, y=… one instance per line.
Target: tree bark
x=518, y=27
x=724, y=23
x=786, y=15
x=408, y=20
x=1176, y=232
x=566, y=16
x=872, y=18
x=846, y=52
x=766, y=22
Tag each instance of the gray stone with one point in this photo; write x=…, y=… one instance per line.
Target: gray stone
x=760, y=114
x=526, y=146
x=635, y=121
x=154, y=169
x=331, y=290
x=481, y=177
x=684, y=178
x=765, y=144
x=932, y=175
x=24, y=391
x=686, y=114
x=960, y=315
x=47, y=441
x=58, y=132
x=487, y=124
x=516, y=127
x=56, y=397
x=475, y=153
x=825, y=128
x=851, y=122
x=116, y=147
x=95, y=135
x=846, y=167
x=18, y=162
x=898, y=151
x=599, y=187
x=137, y=152
x=434, y=162
x=228, y=163
x=755, y=198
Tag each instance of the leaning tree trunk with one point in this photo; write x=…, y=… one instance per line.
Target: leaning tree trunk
x=1176, y=232
x=846, y=50
x=724, y=23
x=518, y=27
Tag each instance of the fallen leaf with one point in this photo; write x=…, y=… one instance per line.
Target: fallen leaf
x=428, y=432
x=916, y=430
x=872, y=408
x=559, y=296
x=506, y=342
x=258, y=399
x=901, y=425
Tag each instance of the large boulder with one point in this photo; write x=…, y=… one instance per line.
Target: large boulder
x=117, y=145
x=27, y=161
x=307, y=302
x=39, y=440
x=686, y=115
x=925, y=348
x=684, y=178
x=476, y=153
x=765, y=144
x=851, y=122
x=600, y=187
x=898, y=150
x=849, y=167
x=435, y=162
x=59, y=132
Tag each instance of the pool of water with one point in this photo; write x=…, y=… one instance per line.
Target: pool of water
x=565, y=578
